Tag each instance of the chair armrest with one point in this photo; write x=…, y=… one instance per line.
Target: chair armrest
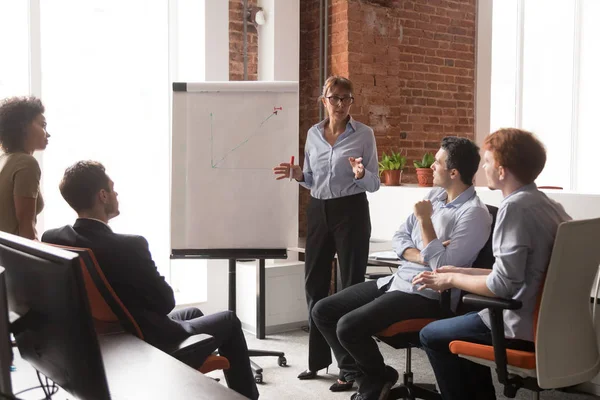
x=491, y=302
x=446, y=303
x=496, y=307
x=196, y=344
x=377, y=275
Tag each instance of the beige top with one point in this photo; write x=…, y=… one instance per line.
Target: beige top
x=19, y=176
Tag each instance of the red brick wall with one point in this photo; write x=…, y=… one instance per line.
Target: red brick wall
x=236, y=42
x=412, y=63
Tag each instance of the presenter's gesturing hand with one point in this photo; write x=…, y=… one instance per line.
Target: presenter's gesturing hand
x=283, y=171
x=357, y=167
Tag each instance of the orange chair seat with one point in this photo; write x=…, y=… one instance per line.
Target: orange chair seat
x=214, y=362
x=410, y=325
x=515, y=358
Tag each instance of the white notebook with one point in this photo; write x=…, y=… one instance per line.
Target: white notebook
x=384, y=255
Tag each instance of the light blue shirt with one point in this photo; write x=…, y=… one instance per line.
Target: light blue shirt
x=327, y=171
x=523, y=239
x=465, y=221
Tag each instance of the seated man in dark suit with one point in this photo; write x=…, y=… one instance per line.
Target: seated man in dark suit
x=129, y=268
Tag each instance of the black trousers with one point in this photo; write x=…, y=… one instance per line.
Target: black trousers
x=341, y=226
x=350, y=318
x=226, y=329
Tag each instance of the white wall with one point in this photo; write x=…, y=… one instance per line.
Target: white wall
x=279, y=41
x=390, y=206
x=285, y=301
x=483, y=76
x=216, y=38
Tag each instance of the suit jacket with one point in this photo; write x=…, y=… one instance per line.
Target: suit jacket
x=129, y=268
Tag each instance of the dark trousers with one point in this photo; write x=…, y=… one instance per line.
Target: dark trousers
x=341, y=226
x=350, y=318
x=458, y=378
x=226, y=329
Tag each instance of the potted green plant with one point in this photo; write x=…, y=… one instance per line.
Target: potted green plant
x=390, y=168
x=424, y=171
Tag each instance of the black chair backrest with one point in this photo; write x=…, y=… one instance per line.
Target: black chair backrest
x=108, y=294
x=485, y=259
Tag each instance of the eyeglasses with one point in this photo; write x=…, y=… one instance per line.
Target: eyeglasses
x=335, y=100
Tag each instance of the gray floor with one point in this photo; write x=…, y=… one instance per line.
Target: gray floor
x=281, y=383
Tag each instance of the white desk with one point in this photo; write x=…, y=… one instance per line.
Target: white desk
x=137, y=370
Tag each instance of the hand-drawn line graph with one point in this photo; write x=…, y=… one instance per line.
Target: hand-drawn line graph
x=215, y=164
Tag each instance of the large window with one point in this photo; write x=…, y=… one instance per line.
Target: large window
x=106, y=94
x=187, y=51
x=14, y=48
x=105, y=71
x=588, y=129
x=544, y=79
x=504, y=70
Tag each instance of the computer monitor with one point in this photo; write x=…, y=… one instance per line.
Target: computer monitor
x=55, y=331
x=5, y=345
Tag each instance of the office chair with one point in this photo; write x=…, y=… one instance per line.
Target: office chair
x=110, y=313
x=566, y=351
x=405, y=334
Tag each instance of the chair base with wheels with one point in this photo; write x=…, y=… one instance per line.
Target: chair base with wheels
x=405, y=335
x=411, y=390
x=257, y=370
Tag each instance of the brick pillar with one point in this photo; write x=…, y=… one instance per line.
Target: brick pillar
x=236, y=42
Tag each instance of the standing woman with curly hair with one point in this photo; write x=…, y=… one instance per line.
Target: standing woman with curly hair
x=22, y=131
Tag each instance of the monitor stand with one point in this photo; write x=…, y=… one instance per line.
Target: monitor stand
x=6, y=355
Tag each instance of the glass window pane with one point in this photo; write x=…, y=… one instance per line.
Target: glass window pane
x=105, y=84
x=14, y=48
x=504, y=64
x=190, y=41
x=589, y=102
x=189, y=277
x=548, y=83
